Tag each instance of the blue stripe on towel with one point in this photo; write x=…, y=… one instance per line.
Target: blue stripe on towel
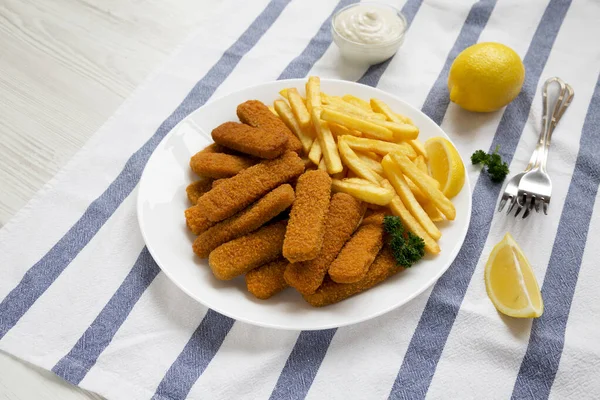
x=75, y=365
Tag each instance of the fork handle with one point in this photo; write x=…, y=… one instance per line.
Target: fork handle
x=548, y=124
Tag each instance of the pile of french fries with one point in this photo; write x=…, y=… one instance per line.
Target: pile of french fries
x=371, y=152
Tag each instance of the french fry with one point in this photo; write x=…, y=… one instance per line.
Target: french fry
x=401, y=131
x=432, y=211
x=355, y=164
x=372, y=156
x=381, y=107
x=322, y=165
x=358, y=102
x=313, y=93
x=284, y=94
x=369, y=193
x=411, y=223
x=404, y=119
x=379, y=146
x=419, y=148
x=298, y=107
x=421, y=198
x=367, y=127
x=344, y=106
x=328, y=145
x=370, y=162
x=358, y=181
x=315, y=152
x=421, y=164
x=339, y=130
x=395, y=176
x=422, y=181
x=272, y=109
x=306, y=136
x=427, y=205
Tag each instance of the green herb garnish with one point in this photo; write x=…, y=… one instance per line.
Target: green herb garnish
x=407, y=248
x=496, y=168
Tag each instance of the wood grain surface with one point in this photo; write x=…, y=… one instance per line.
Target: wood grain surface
x=65, y=66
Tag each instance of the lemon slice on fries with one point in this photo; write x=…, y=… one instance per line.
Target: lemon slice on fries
x=510, y=282
x=445, y=165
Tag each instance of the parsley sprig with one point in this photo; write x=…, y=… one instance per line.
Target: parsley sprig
x=496, y=168
x=407, y=247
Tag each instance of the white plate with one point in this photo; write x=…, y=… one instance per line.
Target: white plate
x=162, y=201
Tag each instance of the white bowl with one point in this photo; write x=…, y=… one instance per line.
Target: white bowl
x=368, y=53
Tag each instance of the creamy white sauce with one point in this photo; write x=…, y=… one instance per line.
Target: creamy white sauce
x=369, y=25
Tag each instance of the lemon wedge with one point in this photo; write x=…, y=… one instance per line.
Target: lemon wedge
x=446, y=165
x=510, y=282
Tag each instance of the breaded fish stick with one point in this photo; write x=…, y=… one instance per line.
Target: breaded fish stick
x=248, y=252
x=240, y=191
x=331, y=292
x=374, y=217
x=196, y=189
x=342, y=219
x=245, y=221
x=217, y=182
x=304, y=236
x=219, y=165
x=353, y=262
x=267, y=280
x=196, y=220
x=256, y=114
x=249, y=140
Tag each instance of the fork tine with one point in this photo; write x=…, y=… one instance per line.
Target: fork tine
x=502, y=203
x=513, y=201
x=529, y=205
x=537, y=204
x=545, y=207
x=519, y=208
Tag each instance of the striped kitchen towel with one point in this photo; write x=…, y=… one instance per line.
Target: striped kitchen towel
x=81, y=296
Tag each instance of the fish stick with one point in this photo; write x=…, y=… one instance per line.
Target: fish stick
x=196, y=220
x=243, y=189
x=332, y=292
x=249, y=140
x=267, y=280
x=213, y=148
x=342, y=219
x=353, y=262
x=256, y=114
x=243, y=254
x=219, y=165
x=245, y=221
x=196, y=189
x=304, y=236
x=374, y=216
x=217, y=182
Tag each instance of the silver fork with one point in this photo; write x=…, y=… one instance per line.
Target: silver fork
x=511, y=190
x=535, y=186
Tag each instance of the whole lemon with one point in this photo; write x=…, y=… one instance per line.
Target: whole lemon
x=485, y=77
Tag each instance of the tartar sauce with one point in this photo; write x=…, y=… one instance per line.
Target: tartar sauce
x=369, y=25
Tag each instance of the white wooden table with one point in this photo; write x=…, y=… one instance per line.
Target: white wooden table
x=65, y=66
